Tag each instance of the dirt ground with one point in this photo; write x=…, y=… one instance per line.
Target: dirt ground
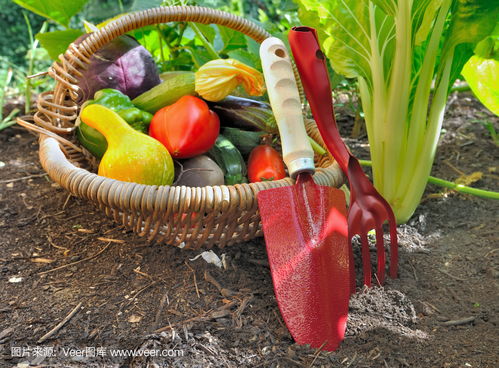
x=56, y=258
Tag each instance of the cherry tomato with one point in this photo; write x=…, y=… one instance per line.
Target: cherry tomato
x=183, y=218
x=265, y=164
x=186, y=128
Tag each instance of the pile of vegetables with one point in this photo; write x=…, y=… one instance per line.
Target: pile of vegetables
x=177, y=128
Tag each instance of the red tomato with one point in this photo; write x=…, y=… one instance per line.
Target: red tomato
x=265, y=164
x=186, y=128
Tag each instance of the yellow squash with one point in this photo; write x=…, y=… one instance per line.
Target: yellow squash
x=130, y=156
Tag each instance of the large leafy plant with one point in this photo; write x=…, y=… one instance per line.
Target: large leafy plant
x=482, y=71
x=405, y=54
x=60, y=13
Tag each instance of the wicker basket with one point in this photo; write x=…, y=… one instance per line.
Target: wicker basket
x=176, y=215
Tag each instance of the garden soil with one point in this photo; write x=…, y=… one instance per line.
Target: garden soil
x=61, y=260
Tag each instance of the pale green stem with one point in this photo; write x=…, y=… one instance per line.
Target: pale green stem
x=366, y=100
x=27, y=89
x=482, y=193
x=160, y=39
x=426, y=153
x=9, y=120
x=395, y=127
x=417, y=126
x=205, y=42
x=316, y=147
x=240, y=4
x=5, y=84
x=379, y=95
x=34, y=45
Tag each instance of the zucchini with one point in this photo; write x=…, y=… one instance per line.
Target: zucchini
x=228, y=157
x=173, y=86
x=244, y=113
x=244, y=140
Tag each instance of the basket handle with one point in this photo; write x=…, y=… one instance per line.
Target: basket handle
x=77, y=56
x=167, y=14
x=67, y=70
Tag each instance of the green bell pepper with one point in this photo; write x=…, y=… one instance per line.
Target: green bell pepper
x=91, y=139
x=120, y=103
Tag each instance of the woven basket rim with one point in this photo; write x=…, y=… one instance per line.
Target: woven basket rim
x=147, y=204
x=256, y=187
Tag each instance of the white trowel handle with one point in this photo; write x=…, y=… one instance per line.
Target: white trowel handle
x=285, y=101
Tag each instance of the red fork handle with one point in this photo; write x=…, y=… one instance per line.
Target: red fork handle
x=311, y=64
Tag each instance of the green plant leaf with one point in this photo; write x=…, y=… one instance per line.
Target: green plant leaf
x=209, y=31
x=472, y=21
x=245, y=57
x=58, y=11
x=482, y=75
x=57, y=42
x=488, y=48
x=347, y=50
x=426, y=16
x=231, y=39
x=144, y=4
x=200, y=56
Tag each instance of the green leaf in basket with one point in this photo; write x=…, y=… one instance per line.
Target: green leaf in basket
x=57, y=42
x=56, y=10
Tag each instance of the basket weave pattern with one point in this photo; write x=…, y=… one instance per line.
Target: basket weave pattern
x=177, y=215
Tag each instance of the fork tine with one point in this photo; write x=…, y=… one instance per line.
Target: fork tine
x=351, y=265
x=366, y=259
x=394, y=249
x=380, y=250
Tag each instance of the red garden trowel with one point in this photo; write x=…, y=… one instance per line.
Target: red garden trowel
x=304, y=225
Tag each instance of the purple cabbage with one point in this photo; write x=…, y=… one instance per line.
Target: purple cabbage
x=122, y=64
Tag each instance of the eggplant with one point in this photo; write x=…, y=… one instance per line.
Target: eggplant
x=199, y=171
x=122, y=64
x=244, y=113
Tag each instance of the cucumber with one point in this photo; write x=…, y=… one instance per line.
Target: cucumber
x=173, y=86
x=244, y=140
x=228, y=157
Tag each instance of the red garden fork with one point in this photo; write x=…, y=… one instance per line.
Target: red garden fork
x=368, y=209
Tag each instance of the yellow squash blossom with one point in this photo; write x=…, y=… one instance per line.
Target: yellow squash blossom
x=216, y=79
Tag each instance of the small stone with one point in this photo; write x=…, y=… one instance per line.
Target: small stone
x=134, y=318
x=6, y=333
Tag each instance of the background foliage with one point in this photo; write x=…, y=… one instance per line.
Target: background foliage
x=14, y=42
